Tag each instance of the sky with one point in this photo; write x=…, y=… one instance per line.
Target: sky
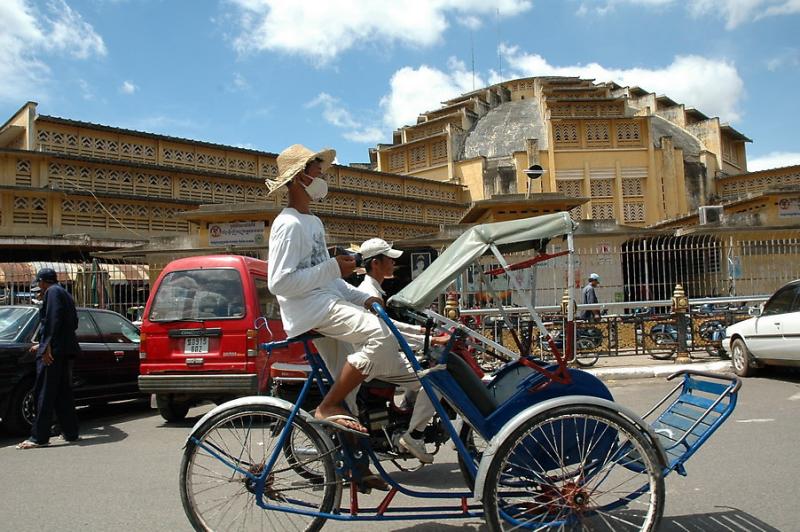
x=264, y=74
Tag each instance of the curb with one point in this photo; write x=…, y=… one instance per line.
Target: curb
x=650, y=372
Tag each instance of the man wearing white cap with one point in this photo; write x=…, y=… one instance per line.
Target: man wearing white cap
x=310, y=286
x=379, y=259
x=590, y=298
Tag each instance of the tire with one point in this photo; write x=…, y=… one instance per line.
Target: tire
x=217, y=497
x=21, y=409
x=605, y=476
x=171, y=410
x=586, y=354
x=741, y=359
x=662, y=339
x=475, y=444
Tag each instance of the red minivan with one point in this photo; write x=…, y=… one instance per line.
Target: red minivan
x=202, y=329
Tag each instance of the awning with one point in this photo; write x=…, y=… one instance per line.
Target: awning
x=25, y=272
x=125, y=273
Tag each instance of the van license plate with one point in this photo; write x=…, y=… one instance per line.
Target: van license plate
x=196, y=345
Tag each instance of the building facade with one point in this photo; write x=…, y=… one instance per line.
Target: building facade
x=636, y=157
x=69, y=187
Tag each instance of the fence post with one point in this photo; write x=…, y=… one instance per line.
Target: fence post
x=680, y=306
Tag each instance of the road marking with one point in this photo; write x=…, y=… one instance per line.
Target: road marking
x=795, y=397
x=756, y=420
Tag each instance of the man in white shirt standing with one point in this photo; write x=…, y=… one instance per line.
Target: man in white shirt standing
x=379, y=259
x=310, y=286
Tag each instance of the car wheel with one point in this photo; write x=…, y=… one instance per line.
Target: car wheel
x=21, y=409
x=171, y=410
x=741, y=358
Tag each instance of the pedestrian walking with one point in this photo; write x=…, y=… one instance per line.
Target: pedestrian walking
x=55, y=352
x=590, y=298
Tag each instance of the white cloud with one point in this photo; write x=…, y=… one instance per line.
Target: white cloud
x=787, y=59
x=128, y=87
x=240, y=83
x=733, y=12
x=28, y=33
x=334, y=112
x=415, y=90
x=322, y=29
x=774, y=159
x=713, y=86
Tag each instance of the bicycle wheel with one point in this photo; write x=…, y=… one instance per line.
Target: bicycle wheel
x=665, y=348
x=576, y=467
x=586, y=354
x=216, y=496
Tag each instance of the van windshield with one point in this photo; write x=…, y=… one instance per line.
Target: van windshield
x=199, y=295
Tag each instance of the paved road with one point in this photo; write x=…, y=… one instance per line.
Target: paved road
x=124, y=476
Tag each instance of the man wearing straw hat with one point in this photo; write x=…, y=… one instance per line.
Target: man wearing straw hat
x=310, y=286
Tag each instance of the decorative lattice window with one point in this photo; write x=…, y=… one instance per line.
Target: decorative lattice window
x=393, y=187
x=339, y=230
x=419, y=157
x=23, y=177
x=269, y=169
x=597, y=133
x=436, y=215
x=565, y=134
x=576, y=213
x=602, y=188
x=439, y=152
x=632, y=187
x=602, y=211
x=570, y=187
x=344, y=205
x=629, y=133
x=30, y=210
x=393, y=209
x=397, y=161
x=585, y=109
x=363, y=231
x=633, y=211
x=412, y=211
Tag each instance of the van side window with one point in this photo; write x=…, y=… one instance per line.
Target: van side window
x=267, y=302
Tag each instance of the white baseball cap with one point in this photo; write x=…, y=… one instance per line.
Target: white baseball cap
x=378, y=246
x=594, y=277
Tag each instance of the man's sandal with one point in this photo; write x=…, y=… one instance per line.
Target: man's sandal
x=30, y=444
x=331, y=423
x=372, y=482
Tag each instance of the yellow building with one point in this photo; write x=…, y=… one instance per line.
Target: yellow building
x=638, y=158
x=69, y=187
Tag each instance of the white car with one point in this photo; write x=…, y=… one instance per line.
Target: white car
x=771, y=338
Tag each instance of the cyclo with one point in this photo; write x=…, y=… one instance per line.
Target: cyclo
x=559, y=454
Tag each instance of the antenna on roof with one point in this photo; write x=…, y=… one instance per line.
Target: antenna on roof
x=499, y=57
x=472, y=53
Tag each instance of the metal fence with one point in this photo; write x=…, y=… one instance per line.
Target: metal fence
x=647, y=269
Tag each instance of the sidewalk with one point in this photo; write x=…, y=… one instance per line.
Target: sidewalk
x=612, y=368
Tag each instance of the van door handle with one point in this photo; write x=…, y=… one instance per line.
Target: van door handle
x=119, y=355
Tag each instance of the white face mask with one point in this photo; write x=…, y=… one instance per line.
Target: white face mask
x=317, y=190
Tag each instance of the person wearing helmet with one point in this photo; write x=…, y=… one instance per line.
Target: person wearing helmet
x=590, y=298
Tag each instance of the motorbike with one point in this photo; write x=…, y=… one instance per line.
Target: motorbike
x=385, y=412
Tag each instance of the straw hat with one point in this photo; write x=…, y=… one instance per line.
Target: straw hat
x=293, y=160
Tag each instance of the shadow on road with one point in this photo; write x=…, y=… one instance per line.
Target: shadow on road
x=726, y=521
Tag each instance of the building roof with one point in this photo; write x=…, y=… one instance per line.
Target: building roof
x=112, y=129
x=735, y=135
x=681, y=138
x=504, y=130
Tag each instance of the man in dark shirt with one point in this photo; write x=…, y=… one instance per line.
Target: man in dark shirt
x=57, y=346
x=590, y=298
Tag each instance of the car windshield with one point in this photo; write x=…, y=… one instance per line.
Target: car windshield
x=198, y=295
x=12, y=320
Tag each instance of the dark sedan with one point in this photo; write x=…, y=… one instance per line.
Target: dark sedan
x=107, y=368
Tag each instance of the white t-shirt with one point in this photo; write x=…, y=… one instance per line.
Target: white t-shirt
x=411, y=333
x=304, y=278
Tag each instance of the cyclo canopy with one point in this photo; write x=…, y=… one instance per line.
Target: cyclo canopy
x=511, y=236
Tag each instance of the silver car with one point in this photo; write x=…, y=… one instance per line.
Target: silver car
x=770, y=338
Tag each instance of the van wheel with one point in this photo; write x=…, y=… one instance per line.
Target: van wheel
x=21, y=409
x=170, y=409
